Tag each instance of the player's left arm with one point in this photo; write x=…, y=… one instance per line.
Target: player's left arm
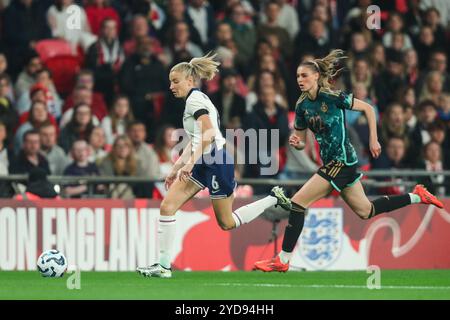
x=208, y=134
x=374, y=145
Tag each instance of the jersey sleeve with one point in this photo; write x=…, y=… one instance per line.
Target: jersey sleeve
x=196, y=107
x=345, y=100
x=299, y=121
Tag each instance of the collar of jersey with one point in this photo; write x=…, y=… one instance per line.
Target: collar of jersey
x=190, y=91
x=317, y=95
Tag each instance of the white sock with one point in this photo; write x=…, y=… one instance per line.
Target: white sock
x=250, y=211
x=285, y=257
x=166, y=235
x=414, y=198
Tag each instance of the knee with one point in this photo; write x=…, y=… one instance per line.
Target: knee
x=226, y=225
x=364, y=213
x=167, y=208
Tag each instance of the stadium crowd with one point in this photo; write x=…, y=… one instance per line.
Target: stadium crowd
x=84, y=84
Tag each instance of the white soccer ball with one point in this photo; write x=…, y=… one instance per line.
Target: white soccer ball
x=52, y=264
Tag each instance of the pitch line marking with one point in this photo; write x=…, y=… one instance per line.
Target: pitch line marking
x=336, y=286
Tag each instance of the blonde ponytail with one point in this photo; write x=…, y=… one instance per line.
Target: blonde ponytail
x=199, y=68
x=327, y=67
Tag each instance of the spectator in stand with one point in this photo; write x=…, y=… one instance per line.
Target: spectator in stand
x=58, y=17
x=377, y=58
x=8, y=115
x=433, y=161
x=433, y=20
x=120, y=162
x=141, y=29
x=393, y=124
x=432, y=89
x=55, y=155
x=144, y=80
x=287, y=18
x=180, y=48
x=84, y=92
x=38, y=116
x=105, y=57
x=390, y=80
x=407, y=98
x=267, y=114
x=315, y=39
x=271, y=28
x=176, y=12
x=359, y=48
x=395, y=25
x=412, y=70
x=244, y=36
x=437, y=62
x=360, y=73
x=6, y=157
x=3, y=63
x=164, y=143
x=202, y=16
x=97, y=11
x=263, y=80
x=83, y=95
x=425, y=45
x=144, y=153
x=444, y=109
x=81, y=166
x=29, y=156
x=97, y=145
x=27, y=77
x=79, y=127
x=441, y=135
x=119, y=118
x=23, y=24
x=45, y=85
x=229, y=104
x=394, y=157
x=426, y=116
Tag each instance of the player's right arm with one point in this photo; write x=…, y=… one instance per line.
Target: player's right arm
x=182, y=160
x=298, y=139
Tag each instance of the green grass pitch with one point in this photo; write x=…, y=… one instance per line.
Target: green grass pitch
x=395, y=284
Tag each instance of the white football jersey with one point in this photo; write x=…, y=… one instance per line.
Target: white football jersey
x=197, y=104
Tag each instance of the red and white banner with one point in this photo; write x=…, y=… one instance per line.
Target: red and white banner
x=116, y=235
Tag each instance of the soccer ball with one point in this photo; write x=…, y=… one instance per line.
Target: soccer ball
x=52, y=264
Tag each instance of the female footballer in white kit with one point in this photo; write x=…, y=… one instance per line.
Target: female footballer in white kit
x=204, y=163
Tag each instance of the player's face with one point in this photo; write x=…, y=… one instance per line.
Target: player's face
x=306, y=78
x=179, y=84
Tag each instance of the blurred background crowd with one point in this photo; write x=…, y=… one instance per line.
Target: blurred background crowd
x=84, y=84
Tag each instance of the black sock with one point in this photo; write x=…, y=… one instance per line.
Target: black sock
x=294, y=227
x=389, y=203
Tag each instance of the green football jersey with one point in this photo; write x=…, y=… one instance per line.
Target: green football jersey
x=325, y=116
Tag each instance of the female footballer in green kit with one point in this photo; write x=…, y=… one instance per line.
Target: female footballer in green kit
x=322, y=110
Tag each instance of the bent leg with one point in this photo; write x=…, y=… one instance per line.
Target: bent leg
x=229, y=219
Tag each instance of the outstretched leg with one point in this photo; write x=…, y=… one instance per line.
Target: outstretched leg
x=314, y=189
x=356, y=198
x=229, y=219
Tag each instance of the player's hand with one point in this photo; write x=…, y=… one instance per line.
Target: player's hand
x=295, y=142
x=186, y=172
x=375, y=148
x=170, y=179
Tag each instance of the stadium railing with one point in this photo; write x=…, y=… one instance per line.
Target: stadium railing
x=373, y=180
